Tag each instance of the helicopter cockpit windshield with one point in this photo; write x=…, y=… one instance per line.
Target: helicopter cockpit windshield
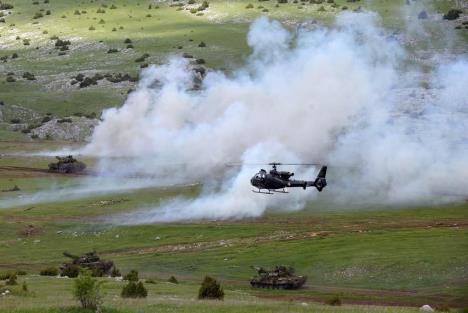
x=261, y=175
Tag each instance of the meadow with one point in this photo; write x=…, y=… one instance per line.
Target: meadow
x=375, y=259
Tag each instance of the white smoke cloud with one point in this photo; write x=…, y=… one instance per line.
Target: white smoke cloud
x=340, y=95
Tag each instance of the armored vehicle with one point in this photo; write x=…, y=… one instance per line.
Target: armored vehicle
x=281, y=277
x=88, y=260
x=67, y=165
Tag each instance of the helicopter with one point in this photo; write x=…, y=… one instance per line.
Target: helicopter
x=278, y=181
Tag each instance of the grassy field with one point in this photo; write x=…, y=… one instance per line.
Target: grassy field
x=394, y=256
x=380, y=259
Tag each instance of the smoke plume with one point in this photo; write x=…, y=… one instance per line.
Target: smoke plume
x=391, y=133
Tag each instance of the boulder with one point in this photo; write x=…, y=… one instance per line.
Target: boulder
x=426, y=308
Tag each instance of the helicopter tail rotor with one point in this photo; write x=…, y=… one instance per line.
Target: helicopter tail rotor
x=321, y=181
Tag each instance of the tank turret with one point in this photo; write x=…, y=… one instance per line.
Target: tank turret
x=91, y=261
x=281, y=277
x=67, y=164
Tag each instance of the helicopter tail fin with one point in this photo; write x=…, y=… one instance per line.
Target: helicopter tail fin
x=320, y=181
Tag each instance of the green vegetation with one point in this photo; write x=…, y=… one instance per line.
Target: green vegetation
x=61, y=67
x=87, y=290
x=210, y=289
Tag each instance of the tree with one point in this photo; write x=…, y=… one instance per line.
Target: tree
x=210, y=289
x=87, y=290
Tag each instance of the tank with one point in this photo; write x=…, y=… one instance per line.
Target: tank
x=281, y=277
x=91, y=261
x=67, y=164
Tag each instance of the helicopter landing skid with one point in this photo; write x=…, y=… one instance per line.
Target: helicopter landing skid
x=281, y=191
x=264, y=192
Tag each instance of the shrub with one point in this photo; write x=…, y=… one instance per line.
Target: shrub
x=113, y=50
x=70, y=270
x=38, y=15
x=5, y=276
x=452, y=14
x=134, y=290
x=47, y=12
x=6, y=6
x=142, y=58
x=249, y=6
x=173, y=280
x=87, y=290
x=14, y=55
x=335, y=301
x=77, y=12
x=131, y=276
x=49, y=271
x=45, y=119
x=150, y=281
x=26, y=42
x=29, y=76
x=24, y=286
x=115, y=271
x=20, y=272
x=128, y=40
x=65, y=120
x=113, y=7
x=202, y=44
x=130, y=46
x=15, y=121
x=102, y=21
x=191, y=2
x=12, y=280
x=101, y=11
x=200, y=61
x=91, y=27
x=210, y=289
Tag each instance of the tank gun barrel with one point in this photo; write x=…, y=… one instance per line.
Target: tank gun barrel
x=71, y=256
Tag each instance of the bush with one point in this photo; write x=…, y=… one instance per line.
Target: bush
x=452, y=14
x=6, y=6
x=335, y=301
x=70, y=270
x=64, y=120
x=20, y=272
x=87, y=290
x=210, y=289
x=38, y=15
x=249, y=6
x=115, y=271
x=134, y=290
x=131, y=276
x=49, y=271
x=202, y=44
x=10, y=79
x=150, y=281
x=47, y=12
x=101, y=11
x=24, y=286
x=91, y=27
x=15, y=121
x=12, y=280
x=173, y=280
x=29, y=76
x=77, y=12
x=128, y=40
x=113, y=50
